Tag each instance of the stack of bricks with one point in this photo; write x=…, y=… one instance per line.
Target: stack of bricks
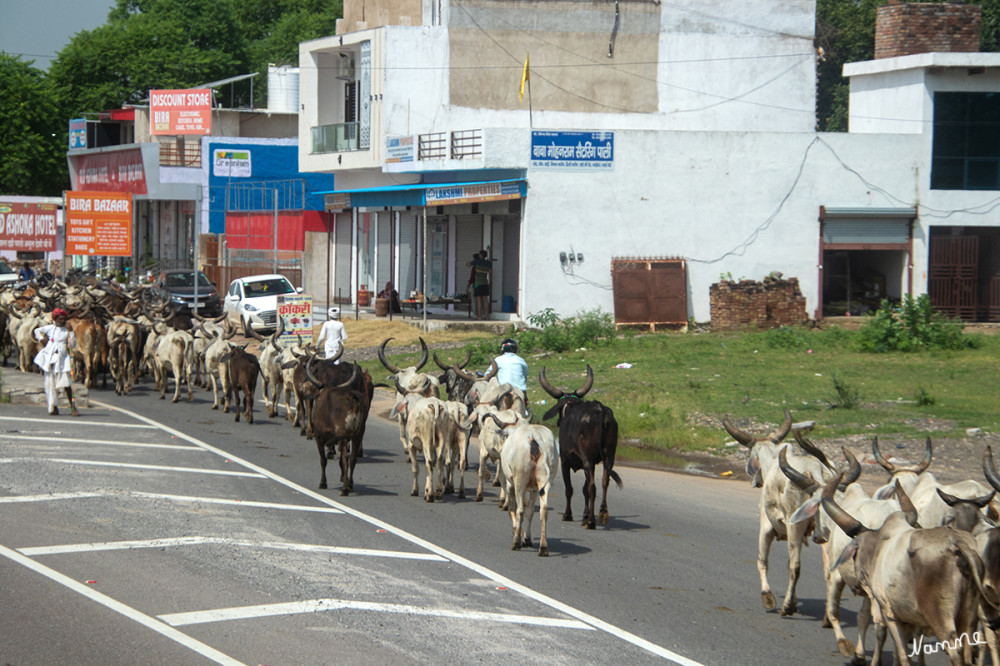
x=757, y=305
x=924, y=27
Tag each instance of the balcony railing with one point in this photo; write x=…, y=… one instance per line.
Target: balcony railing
x=464, y=144
x=181, y=153
x=336, y=138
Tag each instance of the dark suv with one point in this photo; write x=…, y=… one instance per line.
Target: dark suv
x=178, y=287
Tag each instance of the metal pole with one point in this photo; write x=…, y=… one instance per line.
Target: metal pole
x=194, y=229
x=275, y=238
x=425, y=269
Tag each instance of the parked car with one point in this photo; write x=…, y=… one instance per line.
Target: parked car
x=177, y=286
x=252, y=301
x=7, y=274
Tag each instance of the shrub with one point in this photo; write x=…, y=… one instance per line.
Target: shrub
x=589, y=328
x=848, y=396
x=915, y=327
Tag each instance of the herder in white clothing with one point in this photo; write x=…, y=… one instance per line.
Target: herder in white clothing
x=55, y=360
x=511, y=368
x=332, y=333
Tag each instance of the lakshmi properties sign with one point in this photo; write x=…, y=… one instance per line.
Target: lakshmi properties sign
x=28, y=227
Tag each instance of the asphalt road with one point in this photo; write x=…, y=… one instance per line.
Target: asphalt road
x=150, y=532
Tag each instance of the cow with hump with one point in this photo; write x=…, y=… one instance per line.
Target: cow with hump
x=588, y=435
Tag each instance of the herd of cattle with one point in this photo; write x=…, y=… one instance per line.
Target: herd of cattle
x=924, y=556
x=132, y=334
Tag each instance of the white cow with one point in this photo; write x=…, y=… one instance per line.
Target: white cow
x=173, y=355
x=529, y=460
x=427, y=423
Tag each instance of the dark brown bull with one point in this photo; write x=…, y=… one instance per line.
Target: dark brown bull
x=243, y=371
x=328, y=371
x=340, y=411
x=588, y=434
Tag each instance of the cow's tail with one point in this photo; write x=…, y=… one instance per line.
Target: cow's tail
x=990, y=604
x=535, y=453
x=617, y=479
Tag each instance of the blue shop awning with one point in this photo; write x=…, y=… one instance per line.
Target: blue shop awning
x=425, y=194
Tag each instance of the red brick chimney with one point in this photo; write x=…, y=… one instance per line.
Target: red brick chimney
x=906, y=28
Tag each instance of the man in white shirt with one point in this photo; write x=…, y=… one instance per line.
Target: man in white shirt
x=332, y=333
x=512, y=369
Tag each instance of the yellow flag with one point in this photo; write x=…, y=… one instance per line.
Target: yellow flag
x=525, y=76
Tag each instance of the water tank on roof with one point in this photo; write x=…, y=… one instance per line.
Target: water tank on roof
x=282, y=88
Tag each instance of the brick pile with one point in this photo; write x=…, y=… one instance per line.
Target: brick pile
x=924, y=27
x=747, y=304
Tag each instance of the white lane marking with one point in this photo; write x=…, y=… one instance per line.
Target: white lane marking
x=159, y=468
x=156, y=625
x=324, y=605
x=45, y=498
x=219, y=500
x=107, y=442
x=174, y=498
x=223, y=541
x=595, y=622
x=82, y=422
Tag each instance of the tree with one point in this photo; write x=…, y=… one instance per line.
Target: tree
x=845, y=30
x=33, y=132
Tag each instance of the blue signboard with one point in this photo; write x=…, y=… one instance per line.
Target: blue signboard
x=243, y=175
x=77, y=133
x=572, y=150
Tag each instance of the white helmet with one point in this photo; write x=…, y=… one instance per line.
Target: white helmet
x=333, y=313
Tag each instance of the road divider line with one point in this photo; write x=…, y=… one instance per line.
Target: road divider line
x=158, y=468
x=258, y=505
x=152, y=623
x=47, y=498
x=595, y=622
x=82, y=422
x=326, y=605
x=36, y=551
x=105, y=442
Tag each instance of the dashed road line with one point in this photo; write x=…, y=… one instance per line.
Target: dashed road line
x=152, y=623
x=105, y=442
x=326, y=605
x=48, y=497
x=81, y=422
x=219, y=500
x=36, y=551
x=158, y=468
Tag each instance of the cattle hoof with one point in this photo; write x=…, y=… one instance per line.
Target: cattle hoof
x=344, y=492
x=846, y=648
x=589, y=524
x=322, y=486
x=496, y=483
x=461, y=494
x=543, y=552
x=215, y=406
x=567, y=517
x=479, y=498
x=858, y=660
x=602, y=517
x=413, y=493
x=225, y=410
x=516, y=546
x=527, y=542
x=429, y=498
x=768, y=599
x=826, y=624
x=176, y=400
x=788, y=610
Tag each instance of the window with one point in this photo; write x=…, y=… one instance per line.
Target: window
x=966, y=149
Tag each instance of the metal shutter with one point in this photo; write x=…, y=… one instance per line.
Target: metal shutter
x=511, y=260
x=837, y=232
x=342, y=258
x=408, y=259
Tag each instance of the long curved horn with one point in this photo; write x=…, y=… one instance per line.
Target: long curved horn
x=989, y=470
x=465, y=375
x=804, y=483
x=853, y=467
x=880, y=459
x=381, y=356
x=492, y=372
x=229, y=330
x=500, y=423
x=783, y=430
x=350, y=380
x=439, y=363
x=928, y=455
x=309, y=373
x=255, y=335
x=468, y=357
x=549, y=388
x=587, y=385
x=812, y=450
x=400, y=389
x=337, y=356
x=740, y=436
x=423, y=359
x=845, y=521
x=906, y=505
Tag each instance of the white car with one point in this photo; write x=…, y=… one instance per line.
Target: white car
x=252, y=301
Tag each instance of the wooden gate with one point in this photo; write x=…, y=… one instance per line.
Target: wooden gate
x=649, y=292
x=952, y=274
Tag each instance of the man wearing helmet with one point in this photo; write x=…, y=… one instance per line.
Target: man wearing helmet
x=55, y=360
x=512, y=369
x=332, y=333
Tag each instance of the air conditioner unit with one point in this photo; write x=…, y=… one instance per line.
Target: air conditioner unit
x=345, y=67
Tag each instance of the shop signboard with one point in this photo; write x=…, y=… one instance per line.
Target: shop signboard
x=175, y=112
x=295, y=311
x=99, y=224
x=28, y=227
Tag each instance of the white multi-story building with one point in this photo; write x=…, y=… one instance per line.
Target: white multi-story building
x=650, y=130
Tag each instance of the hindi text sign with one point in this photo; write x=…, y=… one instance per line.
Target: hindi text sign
x=28, y=227
x=295, y=311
